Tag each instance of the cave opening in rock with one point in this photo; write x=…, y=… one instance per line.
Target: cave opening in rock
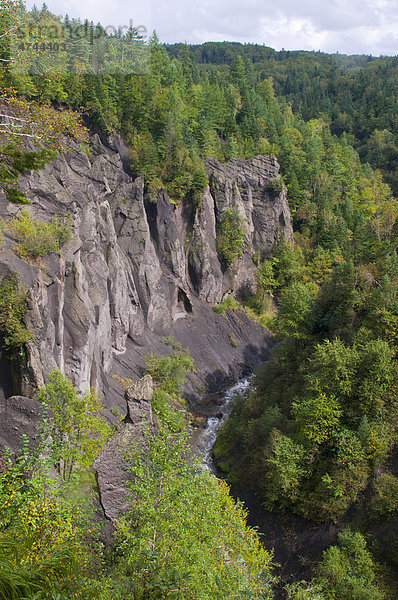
x=184, y=300
x=6, y=383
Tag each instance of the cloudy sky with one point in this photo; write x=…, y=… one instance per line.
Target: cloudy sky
x=347, y=26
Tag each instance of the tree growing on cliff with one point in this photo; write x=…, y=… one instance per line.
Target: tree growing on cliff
x=13, y=308
x=230, y=237
x=30, y=136
x=79, y=430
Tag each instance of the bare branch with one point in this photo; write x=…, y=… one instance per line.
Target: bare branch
x=7, y=32
x=15, y=118
x=8, y=132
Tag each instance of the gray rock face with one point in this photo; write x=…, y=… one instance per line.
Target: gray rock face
x=205, y=268
x=111, y=465
x=19, y=416
x=135, y=271
x=245, y=186
x=112, y=475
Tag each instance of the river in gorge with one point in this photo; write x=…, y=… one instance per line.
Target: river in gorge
x=203, y=439
x=297, y=543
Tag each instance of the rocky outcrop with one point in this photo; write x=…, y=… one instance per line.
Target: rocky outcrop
x=139, y=398
x=112, y=465
x=136, y=271
x=250, y=187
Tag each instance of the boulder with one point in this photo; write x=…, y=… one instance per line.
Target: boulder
x=139, y=398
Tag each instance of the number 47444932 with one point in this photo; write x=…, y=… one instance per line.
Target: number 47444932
x=43, y=46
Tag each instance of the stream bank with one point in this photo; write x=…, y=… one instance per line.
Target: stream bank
x=297, y=543
x=203, y=439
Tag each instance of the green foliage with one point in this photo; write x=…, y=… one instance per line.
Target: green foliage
x=337, y=482
x=348, y=570
x=170, y=414
x=13, y=308
x=38, y=238
x=335, y=401
x=228, y=304
x=266, y=282
x=287, y=264
x=21, y=578
x=234, y=342
x=41, y=533
x=15, y=162
x=230, y=237
x=285, y=459
x=296, y=307
x=31, y=137
x=332, y=390
x=79, y=431
x=275, y=186
x=184, y=532
x=317, y=419
x=365, y=374
x=385, y=499
x=304, y=590
x=170, y=372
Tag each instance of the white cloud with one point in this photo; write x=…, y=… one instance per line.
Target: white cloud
x=358, y=26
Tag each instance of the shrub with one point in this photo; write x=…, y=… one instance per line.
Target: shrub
x=274, y=186
x=228, y=304
x=234, y=342
x=385, y=499
x=41, y=532
x=37, y=238
x=170, y=372
x=168, y=340
x=304, y=590
x=171, y=416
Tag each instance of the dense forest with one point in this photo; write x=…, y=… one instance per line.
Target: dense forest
x=356, y=95
x=317, y=435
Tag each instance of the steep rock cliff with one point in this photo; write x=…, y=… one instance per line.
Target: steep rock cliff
x=135, y=271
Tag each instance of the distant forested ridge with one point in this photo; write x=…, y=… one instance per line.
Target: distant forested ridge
x=357, y=94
